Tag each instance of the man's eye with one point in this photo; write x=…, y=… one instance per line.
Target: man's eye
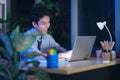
x=43, y=23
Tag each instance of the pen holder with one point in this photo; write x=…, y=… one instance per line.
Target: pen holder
x=52, y=61
x=106, y=50
x=106, y=56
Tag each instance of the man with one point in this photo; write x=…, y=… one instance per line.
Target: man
x=40, y=19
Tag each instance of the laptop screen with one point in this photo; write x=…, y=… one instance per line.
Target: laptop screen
x=82, y=47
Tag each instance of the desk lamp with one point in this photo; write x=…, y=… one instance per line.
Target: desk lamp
x=106, y=46
x=101, y=25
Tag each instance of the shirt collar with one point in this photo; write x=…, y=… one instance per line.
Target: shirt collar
x=33, y=30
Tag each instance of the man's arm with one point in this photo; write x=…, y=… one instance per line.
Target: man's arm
x=56, y=45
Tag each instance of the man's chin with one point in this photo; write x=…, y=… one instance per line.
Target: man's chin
x=44, y=32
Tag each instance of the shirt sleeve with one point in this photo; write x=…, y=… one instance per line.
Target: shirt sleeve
x=56, y=45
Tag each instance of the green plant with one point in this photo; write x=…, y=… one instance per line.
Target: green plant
x=9, y=63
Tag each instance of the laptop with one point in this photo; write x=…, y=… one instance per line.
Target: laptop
x=82, y=48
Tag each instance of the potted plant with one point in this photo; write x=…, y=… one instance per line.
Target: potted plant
x=9, y=63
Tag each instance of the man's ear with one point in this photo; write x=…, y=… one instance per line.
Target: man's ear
x=34, y=24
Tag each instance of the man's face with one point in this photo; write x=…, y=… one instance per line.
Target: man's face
x=43, y=24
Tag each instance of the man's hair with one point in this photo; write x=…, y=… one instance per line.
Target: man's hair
x=38, y=12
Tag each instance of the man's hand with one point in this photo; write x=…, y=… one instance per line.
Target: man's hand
x=66, y=54
x=42, y=55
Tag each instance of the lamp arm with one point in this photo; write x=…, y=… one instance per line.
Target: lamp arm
x=109, y=32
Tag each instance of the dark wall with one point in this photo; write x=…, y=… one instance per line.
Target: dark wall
x=20, y=10
x=21, y=7
x=62, y=28
x=92, y=11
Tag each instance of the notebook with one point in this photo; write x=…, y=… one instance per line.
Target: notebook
x=82, y=47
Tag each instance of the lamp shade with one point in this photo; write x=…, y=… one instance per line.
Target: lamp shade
x=101, y=25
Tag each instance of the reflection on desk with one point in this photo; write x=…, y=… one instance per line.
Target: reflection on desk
x=80, y=66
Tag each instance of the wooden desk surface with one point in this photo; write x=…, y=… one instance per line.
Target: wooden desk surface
x=80, y=66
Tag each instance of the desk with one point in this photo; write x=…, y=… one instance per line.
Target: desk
x=86, y=69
